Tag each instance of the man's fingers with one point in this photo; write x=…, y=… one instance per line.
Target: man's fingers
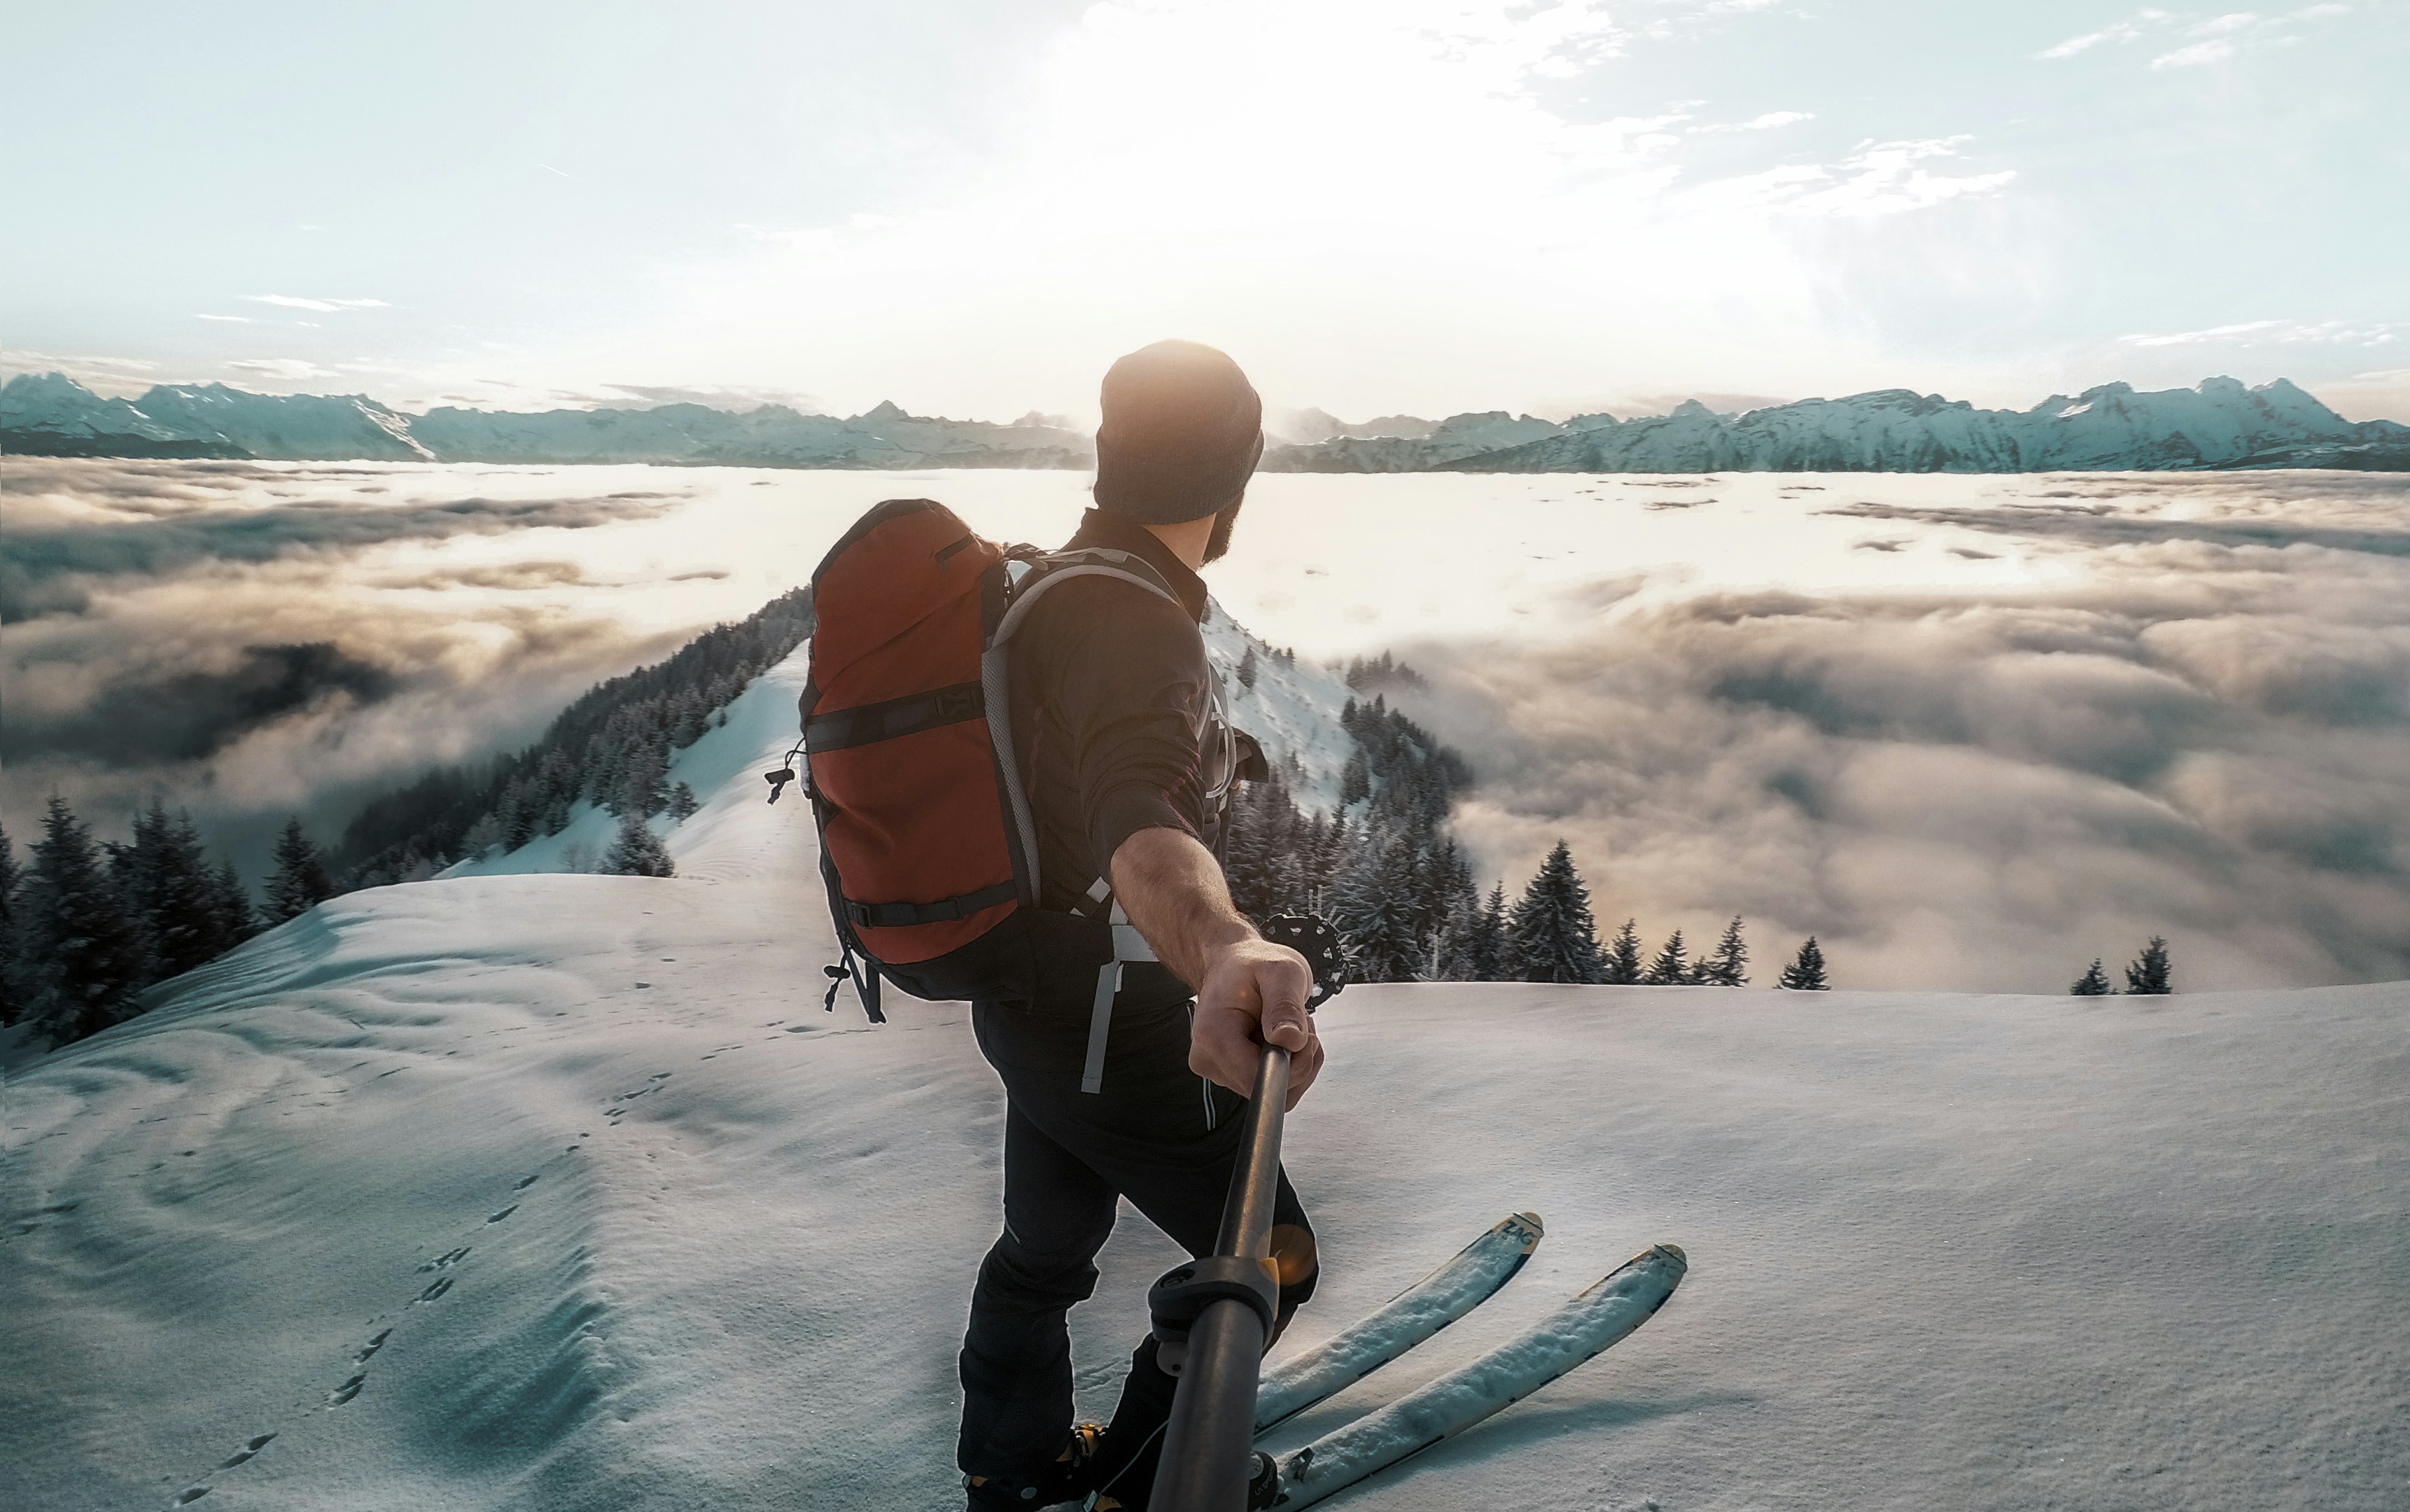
x=1282, y=986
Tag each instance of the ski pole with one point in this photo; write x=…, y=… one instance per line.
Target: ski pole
x=1214, y=1316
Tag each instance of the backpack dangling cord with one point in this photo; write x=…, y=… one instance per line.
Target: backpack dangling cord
x=865, y=984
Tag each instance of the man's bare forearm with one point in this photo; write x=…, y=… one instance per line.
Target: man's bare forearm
x=1250, y=992
x=1172, y=890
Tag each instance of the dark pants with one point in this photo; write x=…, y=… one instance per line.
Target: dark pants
x=1157, y=1134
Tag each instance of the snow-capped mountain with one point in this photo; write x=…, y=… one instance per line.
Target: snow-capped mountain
x=2220, y=423
x=2217, y=424
x=49, y=414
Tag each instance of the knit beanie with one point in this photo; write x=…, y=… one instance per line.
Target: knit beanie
x=1182, y=433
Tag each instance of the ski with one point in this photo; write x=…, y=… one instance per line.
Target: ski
x=1601, y=1316
x=1431, y=1304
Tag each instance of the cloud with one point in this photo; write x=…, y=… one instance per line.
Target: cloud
x=54, y=567
x=2197, y=55
x=2125, y=31
x=718, y=397
x=283, y=369
x=1879, y=178
x=163, y=638
x=2218, y=38
x=2278, y=332
x=2202, y=731
x=112, y=377
x=1767, y=122
x=324, y=307
x=187, y=715
x=230, y=320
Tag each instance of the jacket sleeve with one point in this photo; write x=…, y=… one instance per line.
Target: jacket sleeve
x=1129, y=685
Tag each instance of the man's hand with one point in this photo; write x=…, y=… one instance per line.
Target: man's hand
x=1250, y=992
x=1254, y=994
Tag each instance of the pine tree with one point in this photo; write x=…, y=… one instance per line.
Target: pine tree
x=1555, y=937
x=1247, y=673
x=12, y=997
x=1484, y=953
x=637, y=851
x=2093, y=984
x=643, y=781
x=86, y=947
x=683, y=804
x=1727, y=965
x=1806, y=972
x=299, y=882
x=1355, y=780
x=2148, y=976
x=1620, y=964
x=1672, y=966
x=1373, y=907
x=165, y=880
x=237, y=920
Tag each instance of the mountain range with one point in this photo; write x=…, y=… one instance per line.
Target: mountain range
x=2219, y=423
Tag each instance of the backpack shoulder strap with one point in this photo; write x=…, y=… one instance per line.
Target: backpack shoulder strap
x=1041, y=572
x=1055, y=567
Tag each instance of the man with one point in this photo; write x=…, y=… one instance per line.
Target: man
x=1112, y=698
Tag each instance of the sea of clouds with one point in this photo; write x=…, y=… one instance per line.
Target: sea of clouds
x=1971, y=732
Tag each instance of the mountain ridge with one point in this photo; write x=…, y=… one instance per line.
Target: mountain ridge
x=2113, y=426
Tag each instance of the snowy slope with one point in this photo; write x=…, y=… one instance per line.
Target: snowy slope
x=561, y=1191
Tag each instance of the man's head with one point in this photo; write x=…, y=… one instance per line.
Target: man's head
x=1183, y=429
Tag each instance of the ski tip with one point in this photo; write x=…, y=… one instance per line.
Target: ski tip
x=1670, y=1251
x=1524, y=1220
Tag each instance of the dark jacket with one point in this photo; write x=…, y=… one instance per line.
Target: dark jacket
x=1112, y=700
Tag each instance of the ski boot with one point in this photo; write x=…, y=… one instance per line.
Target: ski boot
x=1068, y=1479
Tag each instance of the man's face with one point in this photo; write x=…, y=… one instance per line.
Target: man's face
x=1218, y=544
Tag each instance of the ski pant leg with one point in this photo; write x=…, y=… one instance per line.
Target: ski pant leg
x=1016, y=1356
x=1158, y=1134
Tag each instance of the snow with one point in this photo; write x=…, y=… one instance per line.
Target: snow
x=707, y=1246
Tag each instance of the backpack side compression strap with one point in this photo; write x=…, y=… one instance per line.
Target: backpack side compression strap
x=905, y=716
x=905, y=915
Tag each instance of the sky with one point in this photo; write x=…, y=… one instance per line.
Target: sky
x=1377, y=206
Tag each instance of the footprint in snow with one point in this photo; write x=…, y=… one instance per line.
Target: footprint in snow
x=504, y=1214
x=347, y=1390
x=190, y=1495
x=436, y=1290
x=361, y=1358
x=526, y=1181
x=445, y=1262
x=259, y=1442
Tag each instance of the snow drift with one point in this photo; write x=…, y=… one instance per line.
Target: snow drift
x=561, y=1191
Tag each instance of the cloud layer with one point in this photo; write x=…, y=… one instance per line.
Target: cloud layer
x=169, y=634
x=2208, y=739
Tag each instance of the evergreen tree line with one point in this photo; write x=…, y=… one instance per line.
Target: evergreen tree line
x=86, y=925
x=1250, y=666
x=1368, y=674
x=2151, y=974
x=612, y=746
x=1384, y=870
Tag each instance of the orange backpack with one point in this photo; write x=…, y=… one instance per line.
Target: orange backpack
x=926, y=847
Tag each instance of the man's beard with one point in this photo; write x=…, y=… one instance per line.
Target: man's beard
x=1217, y=546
